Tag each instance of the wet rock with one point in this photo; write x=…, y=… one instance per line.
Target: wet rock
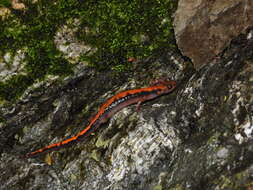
x=198, y=137
x=204, y=28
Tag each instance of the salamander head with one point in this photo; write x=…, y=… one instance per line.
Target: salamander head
x=167, y=86
x=171, y=84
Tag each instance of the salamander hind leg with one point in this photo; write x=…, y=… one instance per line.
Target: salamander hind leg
x=138, y=106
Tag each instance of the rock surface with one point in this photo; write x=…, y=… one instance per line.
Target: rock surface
x=204, y=28
x=198, y=137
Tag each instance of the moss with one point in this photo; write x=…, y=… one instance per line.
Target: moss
x=101, y=142
x=2, y=120
x=237, y=181
x=15, y=86
x=225, y=183
x=127, y=29
x=158, y=187
x=177, y=187
x=118, y=29
x=5, y=3
x=95, y=155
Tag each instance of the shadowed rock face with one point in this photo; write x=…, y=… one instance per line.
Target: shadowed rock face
x=198, y=137
x=204, y=28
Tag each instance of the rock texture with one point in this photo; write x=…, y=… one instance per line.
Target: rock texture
x=204, y=28
x=17, y=5
x=11, y=65
x=198, y=137
x=66, y=42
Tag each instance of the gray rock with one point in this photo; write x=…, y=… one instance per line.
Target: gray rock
x=198, y=137
x=204, y=28
x=186, y=140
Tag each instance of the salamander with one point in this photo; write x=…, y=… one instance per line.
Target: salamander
x=111, y=106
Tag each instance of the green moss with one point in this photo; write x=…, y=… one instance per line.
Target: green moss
x=2, y=120
x=14, y=87
x=118, y=29
x=235, y=182
x=122, y=29
x=96, y=155
x=5, y=3
x=158, y=187
x=102, y=142
x=177, y=187
x=225, y=183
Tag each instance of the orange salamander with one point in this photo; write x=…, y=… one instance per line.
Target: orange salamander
x=113, y=105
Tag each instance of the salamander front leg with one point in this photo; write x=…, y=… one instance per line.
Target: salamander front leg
x=160, y=81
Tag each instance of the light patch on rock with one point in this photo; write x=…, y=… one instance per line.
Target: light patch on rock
x=11, y=65
x=29, y=92
x=187, y=150
x=239, y=138
x=188, y=90
x=7, y=57
x=250, y=34
x=141, y=148
x=235, y=89
x=16, y=4
x=37, y=131
x=222, y=153
x=4, y=12
x=162, y=105
x=247, y=129
x=69, y=45
x=246, y=126
x=236, y=110
x=72, y=170
x=200, y=109
x=180, y=66
x=229, y=63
